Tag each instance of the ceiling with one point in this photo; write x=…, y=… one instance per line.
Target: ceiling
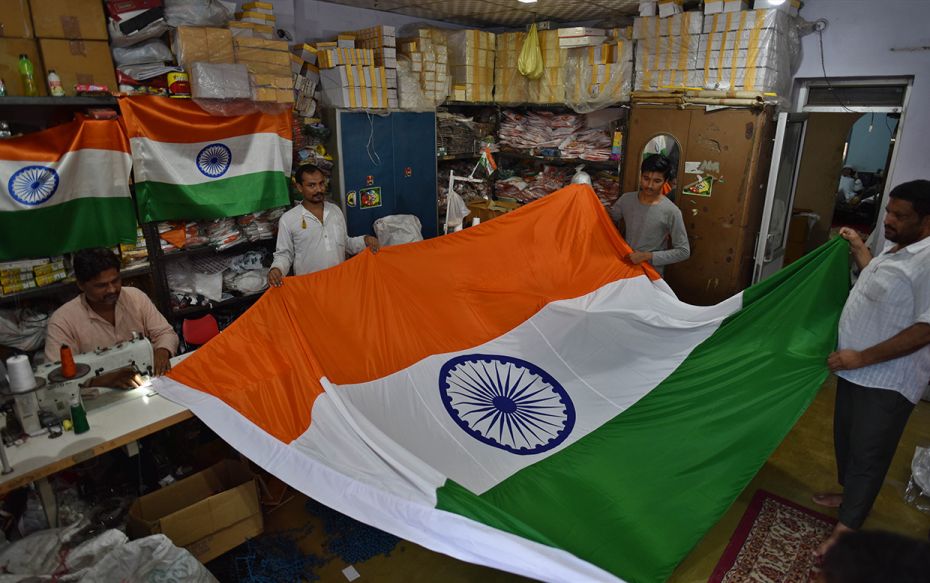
x=501, y=13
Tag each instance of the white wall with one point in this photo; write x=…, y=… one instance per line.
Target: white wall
x=315, y=20
x=858, y=43
x=868, y=149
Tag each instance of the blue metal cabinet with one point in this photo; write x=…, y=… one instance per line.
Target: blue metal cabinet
x=385, y=165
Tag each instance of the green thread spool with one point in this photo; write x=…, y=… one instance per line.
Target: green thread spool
x=79, y=417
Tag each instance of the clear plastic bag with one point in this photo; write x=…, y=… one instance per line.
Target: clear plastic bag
x=917, y=493
x=195, y=13
x=151, y=51
x=398, y=229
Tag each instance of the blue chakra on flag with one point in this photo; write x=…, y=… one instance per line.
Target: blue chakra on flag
x=214, y=160
x=33, y=185
x=506, y=402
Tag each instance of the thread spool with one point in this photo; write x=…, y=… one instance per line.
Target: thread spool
x=68, y=368
x=19, y=370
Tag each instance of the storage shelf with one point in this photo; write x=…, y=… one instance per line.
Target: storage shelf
x=204, y=250
x=32, y=113
x=229, y=303
x=19, y=101
x=61, y=285
x=609, y=165
x=466, y=156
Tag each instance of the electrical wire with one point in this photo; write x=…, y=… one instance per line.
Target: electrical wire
x=826, y=79
x=369, y=147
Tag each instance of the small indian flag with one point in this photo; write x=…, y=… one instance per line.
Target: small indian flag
x=64, y=189
x=519, y=395
x=189, y=164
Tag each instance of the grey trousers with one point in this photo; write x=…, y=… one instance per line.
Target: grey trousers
x=867, y=425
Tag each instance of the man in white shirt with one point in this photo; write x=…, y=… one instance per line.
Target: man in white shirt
x=312, y=236
x=850, y=186
x=883, y=361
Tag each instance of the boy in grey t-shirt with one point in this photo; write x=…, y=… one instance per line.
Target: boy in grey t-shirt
x=652, y=224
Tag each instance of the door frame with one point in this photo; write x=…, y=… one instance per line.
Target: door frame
x=763, y=265
x=802, y=91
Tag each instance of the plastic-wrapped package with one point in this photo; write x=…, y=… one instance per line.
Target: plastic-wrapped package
x=410, y=94
x=510, y=86
x=23, y=329
x=471, y=63
x=686, y=24
x=220, y=81
x=195, y=13
x=151, y=51
x=398, y=229
x=753, y=50
x=597, y=77
x=153, y=30
x=427, y=53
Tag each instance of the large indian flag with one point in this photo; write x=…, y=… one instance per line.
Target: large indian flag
x=189, y=164
x=518, y=395
x=64, y=189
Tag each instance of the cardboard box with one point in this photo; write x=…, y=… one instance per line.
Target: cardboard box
x=10, y=50
x=202, y=44
x=69, y=19
x=15, y=20
x=78, y=62
x=208, y=513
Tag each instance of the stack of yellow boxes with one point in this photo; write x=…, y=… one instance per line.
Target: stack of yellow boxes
x=666, y=50
x=550, y=88
x=747, y=51
x=471, y=56
x=428, y=53
x=510, y=86
x=599, y=75
x=256, y=20
x=193, y=44
x=269, y=65
x=17, y=276
x=382, y=41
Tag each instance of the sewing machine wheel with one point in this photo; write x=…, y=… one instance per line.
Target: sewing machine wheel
x=56, y=377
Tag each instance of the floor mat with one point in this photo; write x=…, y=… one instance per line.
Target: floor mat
x=773, y=543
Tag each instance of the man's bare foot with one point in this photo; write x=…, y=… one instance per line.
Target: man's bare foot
x=839, y=530
x=828, y=499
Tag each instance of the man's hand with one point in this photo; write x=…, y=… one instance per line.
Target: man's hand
x=123, y=378
x=845, y=360
x=275, y=277
x=372, y=243
x=854, y=238
x=162, y=361
x=637, y=257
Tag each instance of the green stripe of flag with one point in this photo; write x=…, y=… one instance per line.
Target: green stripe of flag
x=635, y=495
x=68, y=226
x=225, y=197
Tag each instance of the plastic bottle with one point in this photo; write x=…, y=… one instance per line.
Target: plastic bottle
x=2, y=88
x=27, y=73
x=5, y=133
x=79, y=416
x=54, y=84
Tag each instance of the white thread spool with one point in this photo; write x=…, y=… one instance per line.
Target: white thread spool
x=475, y=221
x=20, y=373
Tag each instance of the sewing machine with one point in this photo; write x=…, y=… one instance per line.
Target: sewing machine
x=58, y=392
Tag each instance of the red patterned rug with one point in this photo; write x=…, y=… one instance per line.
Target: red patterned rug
x=773, y=543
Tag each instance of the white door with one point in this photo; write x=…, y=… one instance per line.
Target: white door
x=779, y=195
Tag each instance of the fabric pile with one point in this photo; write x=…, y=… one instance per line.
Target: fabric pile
x=593, y=145
x=538, y=129
x=533, y=186
x=261, y=225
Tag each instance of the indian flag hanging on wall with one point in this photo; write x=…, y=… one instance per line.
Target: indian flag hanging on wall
x=189, y=164
x=64, y=189
x=517, y=395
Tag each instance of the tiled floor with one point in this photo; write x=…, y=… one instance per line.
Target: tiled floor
x=801, y=465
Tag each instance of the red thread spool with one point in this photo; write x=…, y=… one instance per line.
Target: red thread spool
x=68, y=368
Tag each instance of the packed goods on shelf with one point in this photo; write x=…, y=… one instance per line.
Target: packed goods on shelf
x=457, y=134
x=206, y=280
x=469, y=191
x=733, y=50
x=134, y=255
x=423, y=69
x=18, y=276
x=471, y=60
x=600, y=75
x=554, y=134
x=530, y=185
x=359, y=69
x=218, y=233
